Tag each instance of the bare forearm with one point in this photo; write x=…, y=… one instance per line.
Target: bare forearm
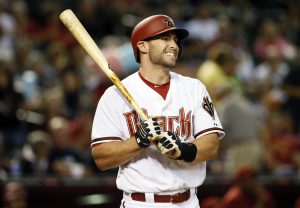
x=113, y=154
x=207, y=147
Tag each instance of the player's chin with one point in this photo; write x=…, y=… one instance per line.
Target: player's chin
x=170, y=63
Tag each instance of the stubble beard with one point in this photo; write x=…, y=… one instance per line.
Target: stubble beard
x=160, y=60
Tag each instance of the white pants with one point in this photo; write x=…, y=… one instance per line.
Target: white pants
x=127, y=202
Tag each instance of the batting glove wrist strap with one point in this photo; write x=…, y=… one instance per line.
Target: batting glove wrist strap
x=188, y=152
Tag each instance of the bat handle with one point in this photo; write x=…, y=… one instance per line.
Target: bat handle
x=142, y=114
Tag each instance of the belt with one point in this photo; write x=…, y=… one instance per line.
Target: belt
x=176, y=198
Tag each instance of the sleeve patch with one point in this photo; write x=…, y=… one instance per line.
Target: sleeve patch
x=208, y=106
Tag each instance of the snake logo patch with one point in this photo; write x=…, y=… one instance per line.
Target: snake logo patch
x=208, y=107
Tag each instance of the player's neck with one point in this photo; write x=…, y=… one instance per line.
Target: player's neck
x=156, y=76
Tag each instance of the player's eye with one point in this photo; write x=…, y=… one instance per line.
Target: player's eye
x=166, y=38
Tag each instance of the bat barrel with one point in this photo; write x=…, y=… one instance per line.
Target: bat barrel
x=73, y=24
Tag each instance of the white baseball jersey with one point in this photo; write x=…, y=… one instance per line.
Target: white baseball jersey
x=187, y=110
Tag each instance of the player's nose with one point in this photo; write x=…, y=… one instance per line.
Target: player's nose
x=174, y=44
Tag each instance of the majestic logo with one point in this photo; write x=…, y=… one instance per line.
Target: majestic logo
x=169, y=22
x=208, y=107
x=180, y=124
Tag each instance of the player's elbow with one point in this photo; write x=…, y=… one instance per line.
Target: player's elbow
x=102, y=160
x=102, y=165
x=208, y=154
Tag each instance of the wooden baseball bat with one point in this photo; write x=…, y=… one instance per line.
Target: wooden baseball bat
x=73, y=24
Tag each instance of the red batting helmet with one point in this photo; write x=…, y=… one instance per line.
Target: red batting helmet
x=152, y=26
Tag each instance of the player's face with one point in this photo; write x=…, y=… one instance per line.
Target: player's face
x=163, y=50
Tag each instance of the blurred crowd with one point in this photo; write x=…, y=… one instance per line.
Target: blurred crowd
x=245, y=52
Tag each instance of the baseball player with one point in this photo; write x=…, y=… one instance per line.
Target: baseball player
x=161, y=160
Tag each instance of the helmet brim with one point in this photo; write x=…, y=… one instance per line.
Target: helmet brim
x=181, y=33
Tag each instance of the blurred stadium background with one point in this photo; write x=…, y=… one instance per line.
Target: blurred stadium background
x=245, y=51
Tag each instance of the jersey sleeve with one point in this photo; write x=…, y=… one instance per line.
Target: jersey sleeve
x=206, y=120
x=106, y=123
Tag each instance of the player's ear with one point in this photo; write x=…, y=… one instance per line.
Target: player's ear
x=142, y=46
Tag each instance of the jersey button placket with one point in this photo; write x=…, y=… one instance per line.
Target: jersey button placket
x=161, y=105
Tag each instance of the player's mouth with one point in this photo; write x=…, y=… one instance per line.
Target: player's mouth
x=172, y=54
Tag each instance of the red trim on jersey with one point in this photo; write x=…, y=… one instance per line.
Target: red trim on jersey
x=162, y=89
x=95, y=145
x=207, y=130
x=97, y=141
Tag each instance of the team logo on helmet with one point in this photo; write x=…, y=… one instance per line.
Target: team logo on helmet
x=169, y=22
